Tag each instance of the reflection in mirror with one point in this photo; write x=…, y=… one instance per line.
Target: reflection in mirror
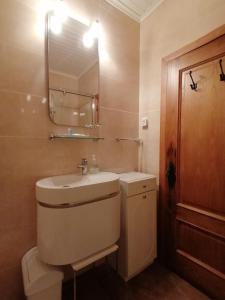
x=70, y=109
x=73, y=75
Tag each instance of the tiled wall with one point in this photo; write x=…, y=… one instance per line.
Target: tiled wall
x=26, y=153
x=171, y=26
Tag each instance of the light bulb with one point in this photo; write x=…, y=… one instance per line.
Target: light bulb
x=93, y=33
x=59, y=16
x=55, y=25
x=88, y=40
x=96, y=29
x=60, y=10
x=44, y=6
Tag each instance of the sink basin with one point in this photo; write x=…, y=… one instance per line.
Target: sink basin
x=77, y=216
x=75, y=189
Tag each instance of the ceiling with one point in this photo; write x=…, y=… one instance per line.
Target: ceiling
x=67, y=53
x=136, y=9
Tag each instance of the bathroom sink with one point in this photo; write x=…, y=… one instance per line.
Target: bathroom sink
x=75, y=189
x=77, y=216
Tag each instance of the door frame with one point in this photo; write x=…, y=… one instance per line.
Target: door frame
x=164, y=254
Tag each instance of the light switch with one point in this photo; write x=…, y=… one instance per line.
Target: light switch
x=144, y=122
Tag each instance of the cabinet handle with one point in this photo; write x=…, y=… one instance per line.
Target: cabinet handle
x=144, y=186
x=144, y=197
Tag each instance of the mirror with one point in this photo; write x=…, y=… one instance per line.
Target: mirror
x=73, y=74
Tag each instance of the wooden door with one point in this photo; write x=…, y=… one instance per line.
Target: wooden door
x=192, y=176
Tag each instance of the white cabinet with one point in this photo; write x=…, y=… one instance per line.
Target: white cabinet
x=138, y=223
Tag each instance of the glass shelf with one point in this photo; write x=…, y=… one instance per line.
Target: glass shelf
x=74, y=136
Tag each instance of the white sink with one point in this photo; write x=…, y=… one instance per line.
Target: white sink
x=78, y=216
x=71, y=189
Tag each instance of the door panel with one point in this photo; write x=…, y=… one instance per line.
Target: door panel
x=201, y=219
x=194, y=141
x=201, y=275
x=202, y=141
x=193, y=241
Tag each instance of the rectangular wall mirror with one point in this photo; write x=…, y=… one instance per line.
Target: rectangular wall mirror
x=73, y=74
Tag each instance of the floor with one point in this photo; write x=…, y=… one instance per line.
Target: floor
x=156, y=282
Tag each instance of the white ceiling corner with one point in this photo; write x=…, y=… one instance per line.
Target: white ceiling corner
x=136, y=9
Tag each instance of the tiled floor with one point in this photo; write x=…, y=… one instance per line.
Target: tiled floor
x=156, y=282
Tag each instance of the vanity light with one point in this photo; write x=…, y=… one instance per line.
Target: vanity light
x=59, y=16
x=61, y=11
x=88, y=40
x=95, y=30
x=55, y=25
x=92, y=34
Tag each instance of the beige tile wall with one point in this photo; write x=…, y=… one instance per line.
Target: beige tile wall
x=26, y=153
x=171, y=26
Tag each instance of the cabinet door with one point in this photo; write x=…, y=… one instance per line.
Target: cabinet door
x=141, y=231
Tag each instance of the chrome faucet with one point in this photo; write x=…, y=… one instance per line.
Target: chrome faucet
x=83, y=166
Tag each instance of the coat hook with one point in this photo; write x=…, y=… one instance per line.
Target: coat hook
x=222, y=75
x=194, y=84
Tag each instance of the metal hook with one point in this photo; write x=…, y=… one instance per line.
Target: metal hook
x=194, y=85
x=222, y=75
